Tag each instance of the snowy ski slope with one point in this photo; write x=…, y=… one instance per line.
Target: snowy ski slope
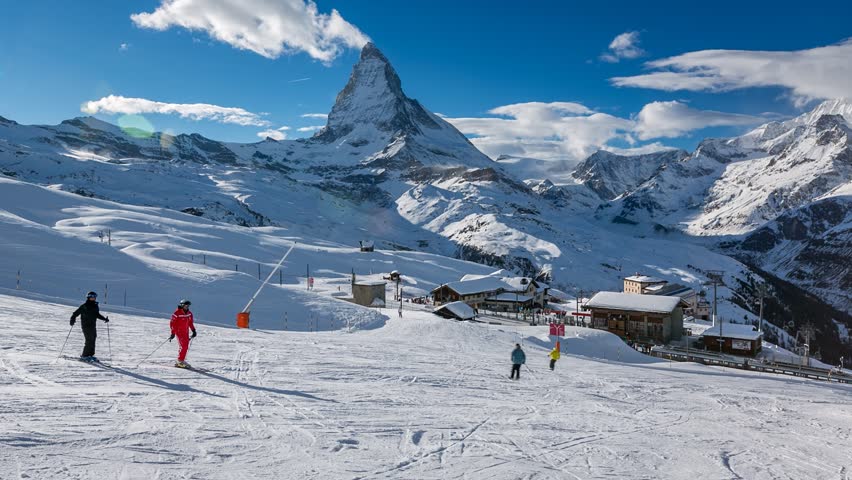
x=420, y=397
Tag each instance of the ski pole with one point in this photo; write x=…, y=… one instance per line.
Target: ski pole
x=149, y=355
x=66, y=341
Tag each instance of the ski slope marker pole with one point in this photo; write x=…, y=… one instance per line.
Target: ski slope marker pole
x=66, y=341
x=149, y=355
x=109, y=342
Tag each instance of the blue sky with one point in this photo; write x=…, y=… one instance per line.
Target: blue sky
x=462, y=59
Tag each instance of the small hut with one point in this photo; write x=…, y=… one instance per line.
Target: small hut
x=366, y=245
x=369, y=293
x=456, y=310
x=733, y=338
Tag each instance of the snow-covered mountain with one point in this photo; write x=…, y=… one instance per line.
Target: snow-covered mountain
x=733, y=186
x=386, y=169
x=783, y=188
x=611, y=175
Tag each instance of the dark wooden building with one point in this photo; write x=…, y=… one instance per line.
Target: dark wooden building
x=650, y=319
x=733, y=338
x=473, y=292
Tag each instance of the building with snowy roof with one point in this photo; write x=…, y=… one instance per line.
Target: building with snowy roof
x=639, y=283
x=369, y=293
x=698, y=307
x=528, y=286
x=733, y=338
x=473, y=292
x=509, y=302
x=649, y=319
x=456, y=310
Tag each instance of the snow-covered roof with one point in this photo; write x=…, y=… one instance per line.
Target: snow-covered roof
x=644, y=279
x=634, y=302
x=370, y=283
x=670, y=289
x=518, y=283
x=510, y=297
x=734, y=330
x=471, y=276
x=559, y=294
x=486, y=284
x=459, y=309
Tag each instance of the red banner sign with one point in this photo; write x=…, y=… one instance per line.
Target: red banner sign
x=557, y=329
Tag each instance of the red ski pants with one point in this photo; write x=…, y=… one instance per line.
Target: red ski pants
x=183, y=341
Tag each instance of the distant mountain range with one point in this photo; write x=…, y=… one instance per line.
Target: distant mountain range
x=384, y=168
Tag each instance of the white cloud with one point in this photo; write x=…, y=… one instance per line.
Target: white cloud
x=114, y=104
x=571, y=131
x=124, y=47
x=674, y=119
x=548, y=131
x=284, y=128
x=276, y=134
x=625, y=45
x=267, y=27
x=641, y=150
x=299, y=80
x=312, y=128
x=315, y=115
x=816, y=73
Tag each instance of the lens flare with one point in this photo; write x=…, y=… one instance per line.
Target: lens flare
x=136, y=126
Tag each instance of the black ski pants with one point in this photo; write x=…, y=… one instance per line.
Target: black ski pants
x=90, y=332
x=516, y=371
x=552, y=363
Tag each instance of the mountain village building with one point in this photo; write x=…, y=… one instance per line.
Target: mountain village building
x=456, y=310
x=649, y=319
x=501, y=294
x=473, y=292
x=639, y=283
x=697, y=305
x=733, y=338
x=369, y=293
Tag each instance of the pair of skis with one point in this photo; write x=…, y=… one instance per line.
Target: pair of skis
x=100, y=364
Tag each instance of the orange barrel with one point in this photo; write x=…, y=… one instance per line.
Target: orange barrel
x=243, y=320
x=557, y=346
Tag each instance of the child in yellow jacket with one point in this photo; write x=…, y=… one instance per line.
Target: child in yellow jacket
x=554, y=356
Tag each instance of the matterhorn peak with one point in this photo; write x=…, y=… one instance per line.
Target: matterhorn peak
x=373, y=99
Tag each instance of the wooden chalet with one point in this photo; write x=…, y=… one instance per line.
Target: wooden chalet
x=649, y=319
x=733, y=338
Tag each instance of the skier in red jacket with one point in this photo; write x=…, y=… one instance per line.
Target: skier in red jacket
x=181, y=325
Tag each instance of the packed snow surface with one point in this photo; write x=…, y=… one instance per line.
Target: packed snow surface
x=420, y=397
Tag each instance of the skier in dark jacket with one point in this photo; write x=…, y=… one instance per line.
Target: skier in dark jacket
x=89, y=313
x=518, y=358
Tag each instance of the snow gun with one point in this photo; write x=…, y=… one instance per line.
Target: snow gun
x=243, y=316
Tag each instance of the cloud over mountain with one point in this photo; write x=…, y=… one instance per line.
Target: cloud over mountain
x=268, y=28
x=115, y=104
x=816, y=73
x=572, y=131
